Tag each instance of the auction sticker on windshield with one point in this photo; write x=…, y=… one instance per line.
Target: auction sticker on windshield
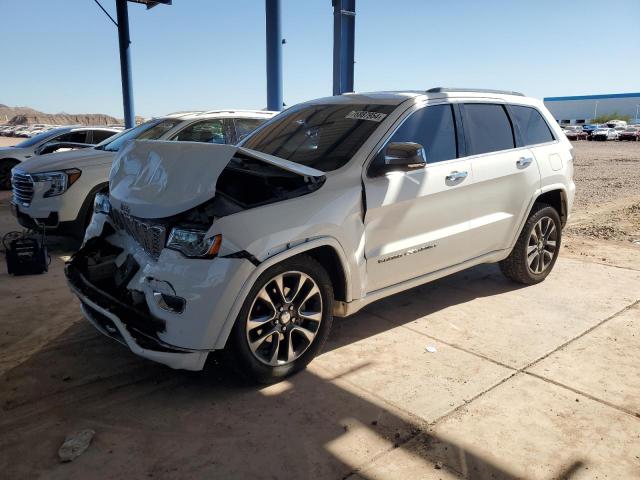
x=363, y=115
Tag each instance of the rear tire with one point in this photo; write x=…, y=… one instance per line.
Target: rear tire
x=536, y=251
x=274, y=336
x=5, y=173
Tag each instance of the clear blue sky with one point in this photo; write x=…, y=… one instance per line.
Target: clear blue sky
x=62, y=55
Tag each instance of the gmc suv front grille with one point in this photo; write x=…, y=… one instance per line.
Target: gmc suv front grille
x=149, y=236
x=22, y=188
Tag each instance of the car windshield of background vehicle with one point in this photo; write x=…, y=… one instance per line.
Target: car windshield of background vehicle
x=320, y=136
x=37, y=138
x=151, y=130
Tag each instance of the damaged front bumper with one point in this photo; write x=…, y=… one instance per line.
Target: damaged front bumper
x=124, y=295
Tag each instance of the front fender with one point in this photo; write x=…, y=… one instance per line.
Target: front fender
x=298, y=249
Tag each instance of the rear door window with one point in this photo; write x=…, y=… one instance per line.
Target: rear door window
x=206, y=131
x=75, y=137
x=487, y=128
x=101, y=135
x=244, y=126
x=533, y=128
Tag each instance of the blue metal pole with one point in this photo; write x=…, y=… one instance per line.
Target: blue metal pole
x=274, y=55
x=344, y=21
x=125, y=62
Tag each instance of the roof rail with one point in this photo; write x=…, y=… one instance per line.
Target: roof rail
x=183, y=112
x=473, y=90
x=236, y=110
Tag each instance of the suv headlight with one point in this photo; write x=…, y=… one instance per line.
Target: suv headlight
x=59, y=181
x=192, y=243
x=101, y=204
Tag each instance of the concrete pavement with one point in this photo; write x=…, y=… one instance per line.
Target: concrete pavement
x=538, y=382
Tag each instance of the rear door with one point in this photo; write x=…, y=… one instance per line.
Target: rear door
x=417, y=222
x=505, y=176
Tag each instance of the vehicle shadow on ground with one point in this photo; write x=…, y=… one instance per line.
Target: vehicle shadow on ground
x=420, y=302
x=155, y=422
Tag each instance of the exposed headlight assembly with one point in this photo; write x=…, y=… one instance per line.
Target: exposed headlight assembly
x=101, y=204
x=59, y=182
x=193, y=243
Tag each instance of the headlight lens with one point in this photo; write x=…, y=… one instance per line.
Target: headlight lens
x=101, y=204
x=59, y=181
x=192, y=243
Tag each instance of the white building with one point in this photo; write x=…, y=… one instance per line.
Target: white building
x=582, y=109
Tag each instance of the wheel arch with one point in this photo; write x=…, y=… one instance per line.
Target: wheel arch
x=13, y=162
x=554, y=195
x=86, y=209
x=556, y=198
x=326, y=250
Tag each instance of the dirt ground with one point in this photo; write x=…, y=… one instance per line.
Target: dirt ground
x=539, y=382
x=9, y=141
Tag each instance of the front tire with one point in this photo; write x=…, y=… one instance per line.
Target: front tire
x=284, y=321
x=536, y=251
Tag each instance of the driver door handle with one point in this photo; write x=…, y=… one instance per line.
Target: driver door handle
x=524, y=162
x=456, y=176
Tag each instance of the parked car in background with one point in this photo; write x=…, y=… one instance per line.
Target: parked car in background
x=7, y=130
x=49, y=141
x=589, y=129
x=630, y=133
x=616, y=123
x=57, y=190
x=29, y=131
x=15, y=132
x=602, y=134
x=570, y=134
x=575, y=132
x=332, y=205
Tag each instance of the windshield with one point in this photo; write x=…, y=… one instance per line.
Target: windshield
x=319, y=136
x=151, y=130
x=30, y=142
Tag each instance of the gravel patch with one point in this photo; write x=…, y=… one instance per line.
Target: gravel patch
x=605, y=172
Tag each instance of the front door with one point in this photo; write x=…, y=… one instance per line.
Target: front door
x=417, y=222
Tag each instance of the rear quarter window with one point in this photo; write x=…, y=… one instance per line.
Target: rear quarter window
x=533, y=127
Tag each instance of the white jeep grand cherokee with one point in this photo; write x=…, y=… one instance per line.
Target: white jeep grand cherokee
x=329, y=206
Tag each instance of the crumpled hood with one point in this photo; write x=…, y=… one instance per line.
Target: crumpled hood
x=157, y=179
x=62, y=160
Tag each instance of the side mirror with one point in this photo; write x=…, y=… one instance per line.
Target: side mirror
x=402, y=157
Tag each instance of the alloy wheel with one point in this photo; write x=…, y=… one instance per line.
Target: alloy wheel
x=284, y=318
x=542, y=245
